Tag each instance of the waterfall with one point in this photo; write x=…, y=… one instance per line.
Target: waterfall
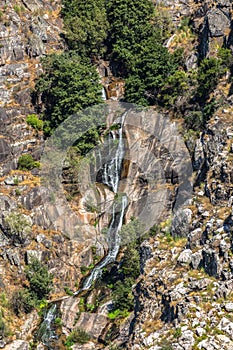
x=114, y=238
x=111, y=177
x=45, y=333
x=112, y=169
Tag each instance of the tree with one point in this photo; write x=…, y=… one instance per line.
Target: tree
x=85, y=25
x=129, y=26
x=122, y=295
x=67, y=85
x=135, y=45
x=39, y=278
x=208, y=75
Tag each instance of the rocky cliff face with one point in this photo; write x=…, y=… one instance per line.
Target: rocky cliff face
x=183, y=298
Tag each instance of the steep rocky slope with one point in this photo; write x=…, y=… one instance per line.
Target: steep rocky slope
x=184, y=295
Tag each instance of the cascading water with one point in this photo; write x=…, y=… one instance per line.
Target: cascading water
x=111, y=177
x=112, y=169
x=45, y=332
x=114, y=238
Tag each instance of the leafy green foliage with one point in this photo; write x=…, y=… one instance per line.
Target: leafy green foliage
x=34, y=121
x=68, y=85
x=122, y=295
x=176, y=85
x=208, y=75
x=136, y=45
x=131, y=262
x=39, y=278
x=226, y=57
x=129, y=26
x=26, y=162
x=18, y=226
x=23, y=301
x=4, y=331
x=77, y=336
x=58, y=321
x=118, y=314
x=40, y=282
x=85, y=25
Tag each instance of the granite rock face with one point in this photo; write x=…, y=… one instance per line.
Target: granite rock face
x=183, y=298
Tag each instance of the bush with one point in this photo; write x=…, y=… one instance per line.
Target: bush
x=78, y=336
x=85, y=25
x=122, y=295
x=23, y=301
x=69, y=84
x=226, y=57
x=58, y=321
x=39, y=278
x=34, y=121
x=4, y=331
x=208, y=75
x=26, y=162
x=18, y=226
x=118, y=314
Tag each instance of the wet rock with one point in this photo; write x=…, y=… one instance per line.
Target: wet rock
x=94, y=324
x=69, y=311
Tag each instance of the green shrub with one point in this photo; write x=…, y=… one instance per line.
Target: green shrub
x=69, y=84
x=208, y=75
x=226, y=57
x=177, y=333
x=118, y=314
x=68, y=291
x=39, y=278
x=86, y=25
x=18, y=226
x=58, y=321
x=4, y=331
x=3, y=299
x=26, y=162
x=122, y=295
x=17, y=9
x=77, y=336
x=34, y=121
x=23, y=301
